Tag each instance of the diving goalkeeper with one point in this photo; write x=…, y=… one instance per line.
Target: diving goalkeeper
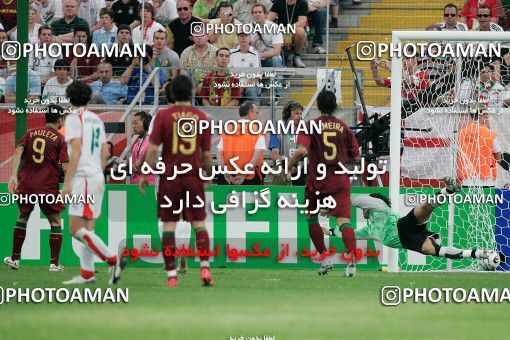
x=409, y=232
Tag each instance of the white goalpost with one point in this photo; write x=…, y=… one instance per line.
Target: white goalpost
x=430, y=108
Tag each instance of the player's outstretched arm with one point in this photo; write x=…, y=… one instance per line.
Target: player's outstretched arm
x=150, y=159
x=73, y=164
x=16, y=159
x=206, y=160
x=299, y=153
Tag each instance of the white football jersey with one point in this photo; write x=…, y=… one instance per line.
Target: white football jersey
x=89, y=127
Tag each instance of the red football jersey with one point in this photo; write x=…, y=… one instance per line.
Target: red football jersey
x=335, y=144
x=176, y=149
x=44, y=149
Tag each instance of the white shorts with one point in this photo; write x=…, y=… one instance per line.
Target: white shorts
x=87, y=187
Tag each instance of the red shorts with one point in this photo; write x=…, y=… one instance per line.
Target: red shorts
x=342, y=199
x=47, y=209
x=175, y=191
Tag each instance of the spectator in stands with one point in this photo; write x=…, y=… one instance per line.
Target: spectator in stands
x=2, y=90
x=83, y=67
x=469, y=14
x=33, y=85
x=120, y=64
x=479, y=151
x=131, y=78
x=268, y=45
x=90, y=12
x=485, y=22
x=246, y=56
x=229, y=93
x=166, y=11
x=126, y=12
x=283, y=146
x=55, y=88
x=198, y=57
x=49, y=10
x=105, y=90
x=292, y=12
x=64, y=28
x=413, y=81
x=226, y=16
x=164, y=57
x=9, y=15
x=43, y=65
x=202, y=8
x=334, y=9
x=33, y=28
x=243, y=9
x=248, y=147
x=141, y=122
x=317, y=18
x=179, y=33
x=144, y=35
x=450, y=23
x=107, y=34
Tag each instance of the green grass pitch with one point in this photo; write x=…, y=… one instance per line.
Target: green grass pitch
x=287, y=304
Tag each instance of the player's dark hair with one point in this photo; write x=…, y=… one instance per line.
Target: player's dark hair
x=53, y=113
x=182, y=89
x=169, y=94
x=326, y=103
x=381, y=197
x=245, y=108
x=2, y=30
x=79, y=93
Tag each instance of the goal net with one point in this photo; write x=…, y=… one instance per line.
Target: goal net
x=449, y=118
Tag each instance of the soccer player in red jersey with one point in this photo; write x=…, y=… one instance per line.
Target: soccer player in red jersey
x=181, y=148
x=336, y=143
x=42, y=150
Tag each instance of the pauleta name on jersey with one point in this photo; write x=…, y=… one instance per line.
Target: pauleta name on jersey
x=44, y=133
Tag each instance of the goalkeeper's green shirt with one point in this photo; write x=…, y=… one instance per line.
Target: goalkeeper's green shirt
x=382, y=221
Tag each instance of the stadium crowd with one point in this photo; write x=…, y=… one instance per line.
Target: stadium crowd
x=164, y=25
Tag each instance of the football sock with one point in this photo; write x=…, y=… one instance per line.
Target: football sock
x=20, y=231
x=348, y=237
x=168, y=241
x=87, y=266
x=316, y=234
x=452, y=252
x=96, y=245
x=346, y=232
x=202, y=239
x=55, y=243
x=443, y=191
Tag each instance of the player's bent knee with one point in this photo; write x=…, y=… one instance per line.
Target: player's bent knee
x=428, y=247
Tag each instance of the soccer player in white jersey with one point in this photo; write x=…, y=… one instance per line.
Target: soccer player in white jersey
x=86, y=138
